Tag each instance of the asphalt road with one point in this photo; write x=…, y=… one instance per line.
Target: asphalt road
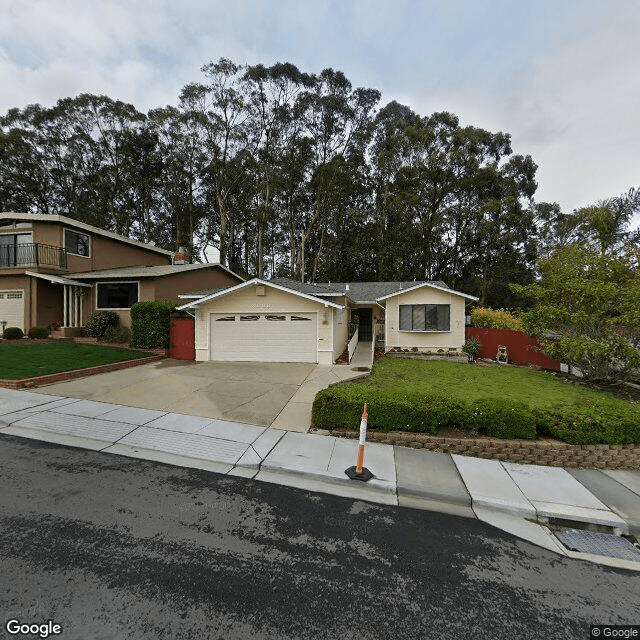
x=115, y=548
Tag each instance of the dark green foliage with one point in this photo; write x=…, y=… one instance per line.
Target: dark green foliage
x=502, y=418
x=13, y=333
x=119, y=335
x=99, y=322
x=150, y=324
x=502, y=402
x=38, y=333
x=341, y=406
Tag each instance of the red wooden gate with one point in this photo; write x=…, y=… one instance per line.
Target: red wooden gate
x=182, y=344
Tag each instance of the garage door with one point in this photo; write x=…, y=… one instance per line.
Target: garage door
x=12, y=308
x=286, y=337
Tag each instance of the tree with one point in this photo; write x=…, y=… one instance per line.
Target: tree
x=590, y=301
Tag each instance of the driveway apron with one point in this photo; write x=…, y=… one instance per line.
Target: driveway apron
x=249, y=392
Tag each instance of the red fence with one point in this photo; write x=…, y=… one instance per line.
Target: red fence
x=521, y=348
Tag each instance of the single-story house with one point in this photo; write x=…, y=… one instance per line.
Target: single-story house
x=282, y=320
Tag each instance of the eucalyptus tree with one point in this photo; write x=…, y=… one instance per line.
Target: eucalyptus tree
x=220, y=104
x=271, y=94
x=338, y=121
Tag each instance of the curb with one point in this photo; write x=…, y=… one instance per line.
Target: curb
x=547, y=453
x=77, y=373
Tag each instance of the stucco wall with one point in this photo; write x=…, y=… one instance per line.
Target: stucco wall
x=340, y=327
x=273, y=301
x=425, y=340
x=169, y=287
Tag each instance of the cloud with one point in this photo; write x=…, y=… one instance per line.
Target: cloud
x=559, y=77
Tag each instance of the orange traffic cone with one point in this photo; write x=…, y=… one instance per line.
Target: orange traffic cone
x=360, y=472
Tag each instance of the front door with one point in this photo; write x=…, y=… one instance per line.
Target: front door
x=365, y=333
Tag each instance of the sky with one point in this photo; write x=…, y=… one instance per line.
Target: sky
x=561, y=77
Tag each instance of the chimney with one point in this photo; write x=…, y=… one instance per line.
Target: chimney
x=181, y=256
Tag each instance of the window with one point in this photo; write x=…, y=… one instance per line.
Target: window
x=16, y=249
x=276, y=318
x=425, y=317
x=295, y=318
x=76, y=243
x=117, y=295
x=226, y=319
x=249, y=318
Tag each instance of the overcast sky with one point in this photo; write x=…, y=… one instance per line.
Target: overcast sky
x=562, y=77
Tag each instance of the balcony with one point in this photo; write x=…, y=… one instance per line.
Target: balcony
x=32, y=255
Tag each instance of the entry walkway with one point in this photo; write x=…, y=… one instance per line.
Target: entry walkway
x=516, y=498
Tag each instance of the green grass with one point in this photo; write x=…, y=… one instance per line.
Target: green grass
x=418, y=395
x=31, y=360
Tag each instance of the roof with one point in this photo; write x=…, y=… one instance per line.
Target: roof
x=255, y=281
x=46, y=217
x=372, y=292
x=437, y=284
x=359, y=292
x=56, y=279
x=149, y=272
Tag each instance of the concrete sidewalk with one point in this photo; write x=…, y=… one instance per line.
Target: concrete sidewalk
x=514, y=497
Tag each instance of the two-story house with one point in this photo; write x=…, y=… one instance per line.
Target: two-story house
x=55, y=271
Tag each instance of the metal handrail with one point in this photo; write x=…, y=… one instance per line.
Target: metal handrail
x=32, y=254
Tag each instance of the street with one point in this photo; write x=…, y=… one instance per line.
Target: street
x=114, y=548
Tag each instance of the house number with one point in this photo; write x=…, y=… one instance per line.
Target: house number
x=261, y=306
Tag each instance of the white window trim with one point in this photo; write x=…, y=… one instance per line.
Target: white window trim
x=136, y=282
x=411, y=304
x=64, y=242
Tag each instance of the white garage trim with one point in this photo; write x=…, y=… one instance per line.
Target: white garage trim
x=12, y=307
x=256, y=336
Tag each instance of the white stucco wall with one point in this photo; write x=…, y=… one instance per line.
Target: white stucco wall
x=425, y=340
x=247, y=300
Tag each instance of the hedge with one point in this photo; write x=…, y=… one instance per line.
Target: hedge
x=595, y=422
x=150, y=321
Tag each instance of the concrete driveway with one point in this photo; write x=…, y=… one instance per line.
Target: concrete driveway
x=254, y=393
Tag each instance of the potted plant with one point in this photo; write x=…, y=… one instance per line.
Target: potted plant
x=472, y=348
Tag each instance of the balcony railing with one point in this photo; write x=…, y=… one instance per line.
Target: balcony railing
x=32, y=255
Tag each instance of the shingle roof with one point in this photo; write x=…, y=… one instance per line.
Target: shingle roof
x=363, y=292
x=144, y=272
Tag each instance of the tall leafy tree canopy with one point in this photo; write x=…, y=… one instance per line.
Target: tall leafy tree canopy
x=284, y=172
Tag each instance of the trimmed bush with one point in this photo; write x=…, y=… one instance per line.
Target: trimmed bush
x=150, y=321
x=341, y=406
x=99, y=322
x=119, y=335
x=503, y=418
x=495, y=319
x=38, y=333
x=13, y=333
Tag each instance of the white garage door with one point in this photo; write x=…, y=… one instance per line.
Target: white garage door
x=12, y=308
x=260, y=337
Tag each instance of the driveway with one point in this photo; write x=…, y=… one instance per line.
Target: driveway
x=254, y=393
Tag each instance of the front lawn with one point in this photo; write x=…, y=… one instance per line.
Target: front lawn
x=507, y=402
x=18, y=361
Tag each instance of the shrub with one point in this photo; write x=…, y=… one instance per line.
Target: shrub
x=150, y=323
x=495, y=319
x=472, y=347
x=13, y=333
x=119, y=335
x=342, y=407
x=38, y=333
x=503, y=418
x=99, y=322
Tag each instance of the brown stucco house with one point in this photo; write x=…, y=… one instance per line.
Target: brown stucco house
x=282, y=320
x=55, y=272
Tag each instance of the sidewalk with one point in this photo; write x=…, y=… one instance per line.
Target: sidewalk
x=513, y=497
